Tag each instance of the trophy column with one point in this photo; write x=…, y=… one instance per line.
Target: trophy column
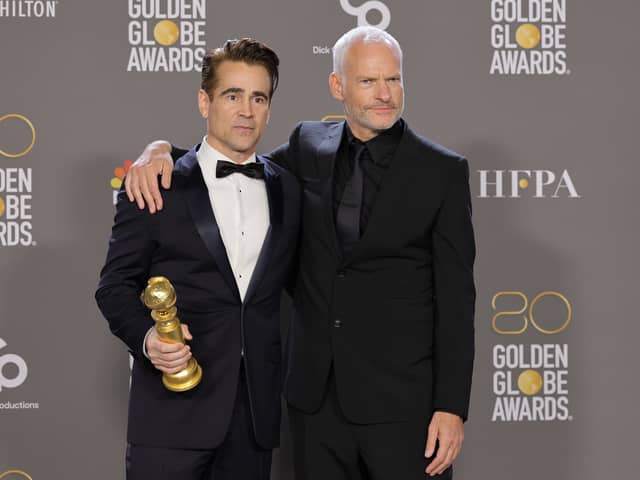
x=160, y=297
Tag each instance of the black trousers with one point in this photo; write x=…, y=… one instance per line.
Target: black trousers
x=239, y=457
x=327, y=446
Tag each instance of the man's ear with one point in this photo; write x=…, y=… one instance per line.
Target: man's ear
x=203, y=103
x=335, y=86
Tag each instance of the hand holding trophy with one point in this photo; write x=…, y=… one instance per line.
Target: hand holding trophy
x=160, y=297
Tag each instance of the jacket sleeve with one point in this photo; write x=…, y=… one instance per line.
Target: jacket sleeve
x=453, y=257
x=125, y=275
x=177, y=152
x=284, y=155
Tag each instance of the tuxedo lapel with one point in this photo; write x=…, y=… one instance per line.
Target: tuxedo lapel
x=197, y=197
x=273, y=185
x=326, y=154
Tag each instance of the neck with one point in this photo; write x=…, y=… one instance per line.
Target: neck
x=362, y=134
x=234, y=156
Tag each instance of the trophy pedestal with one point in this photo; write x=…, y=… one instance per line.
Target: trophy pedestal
x=185, y=379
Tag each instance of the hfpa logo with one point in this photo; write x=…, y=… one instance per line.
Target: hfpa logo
x=530, y=183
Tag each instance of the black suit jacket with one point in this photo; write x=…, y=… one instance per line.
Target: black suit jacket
x=182, y=242
x=395, y=316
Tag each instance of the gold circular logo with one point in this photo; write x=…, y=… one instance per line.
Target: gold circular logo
x=524, y=183
x=529, y=382
x=33, y=137
x=1, y=206
x=333, y=118
x=15, y=472
x=166, y=32
x=528, y=35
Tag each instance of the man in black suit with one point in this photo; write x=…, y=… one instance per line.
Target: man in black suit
x=381, y=344
x=225, y=241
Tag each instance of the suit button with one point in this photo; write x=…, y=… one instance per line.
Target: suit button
x=337, y=323
x=342, y=274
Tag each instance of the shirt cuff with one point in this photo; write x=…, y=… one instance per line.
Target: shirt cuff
x=144, y=343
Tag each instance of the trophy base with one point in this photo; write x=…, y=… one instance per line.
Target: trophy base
x=185, y=379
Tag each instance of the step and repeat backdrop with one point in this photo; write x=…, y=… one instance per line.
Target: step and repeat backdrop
x=540, y=95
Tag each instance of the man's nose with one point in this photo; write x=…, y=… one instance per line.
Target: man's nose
x=246, y=108
x=383, y=91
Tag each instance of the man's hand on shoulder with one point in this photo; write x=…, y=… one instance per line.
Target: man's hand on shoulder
x=141, y=182
x=445, y=428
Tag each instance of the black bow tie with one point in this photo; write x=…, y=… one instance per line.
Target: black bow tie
x=251, y=170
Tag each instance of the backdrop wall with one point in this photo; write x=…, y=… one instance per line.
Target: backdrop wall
x=539, y=95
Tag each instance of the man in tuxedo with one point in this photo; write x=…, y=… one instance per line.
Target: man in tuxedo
x=381, y=345
x=225, y=241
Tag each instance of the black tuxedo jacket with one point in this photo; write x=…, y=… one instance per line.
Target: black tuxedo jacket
x=395, y=316
x=182, y=242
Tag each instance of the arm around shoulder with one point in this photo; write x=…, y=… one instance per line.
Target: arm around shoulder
x=284, y=155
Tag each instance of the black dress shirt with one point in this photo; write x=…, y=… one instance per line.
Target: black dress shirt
x=375, y=161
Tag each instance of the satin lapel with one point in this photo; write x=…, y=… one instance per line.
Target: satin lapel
x=273, y=185
x=326, y=153
x=204, y=219
x=394, y=182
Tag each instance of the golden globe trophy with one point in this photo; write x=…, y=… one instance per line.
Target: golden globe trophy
x=160, y=297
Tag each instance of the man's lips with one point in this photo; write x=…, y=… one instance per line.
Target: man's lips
x=383, y=108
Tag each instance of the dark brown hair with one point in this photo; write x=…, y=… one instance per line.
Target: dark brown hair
x=245, y=50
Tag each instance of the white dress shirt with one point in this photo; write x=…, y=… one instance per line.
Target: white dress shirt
x=241, y=209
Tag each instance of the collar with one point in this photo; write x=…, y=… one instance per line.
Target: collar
x=382, y=145
x=208, y=157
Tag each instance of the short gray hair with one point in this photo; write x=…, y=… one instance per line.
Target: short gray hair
x=365, y=34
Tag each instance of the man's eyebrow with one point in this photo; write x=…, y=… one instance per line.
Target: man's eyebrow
x=259, y=93
x=232, y=90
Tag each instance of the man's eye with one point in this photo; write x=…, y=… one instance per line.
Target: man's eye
x=232, y=97
x=260, y=99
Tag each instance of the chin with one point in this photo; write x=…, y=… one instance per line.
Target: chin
x=383, y=123
x=243, y=143
x=382, y=126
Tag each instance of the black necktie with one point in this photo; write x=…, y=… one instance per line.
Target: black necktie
x=251, y=170
x=348, y=214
